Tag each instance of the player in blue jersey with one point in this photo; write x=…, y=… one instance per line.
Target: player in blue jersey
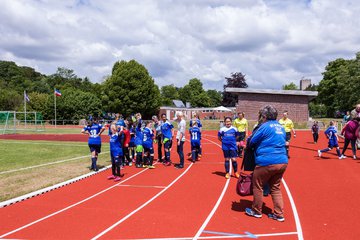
x=119, y=122
x=331, y=134
x=116, y=153
x=197, y=120
x=158, y=136
x=168, y=132
x=195, y=136
x=139, y=141
x=148, y=138
x=228, y=136
x=94, y=130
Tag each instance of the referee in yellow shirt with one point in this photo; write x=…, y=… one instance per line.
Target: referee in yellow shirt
x=241, y=125
x=289, y=126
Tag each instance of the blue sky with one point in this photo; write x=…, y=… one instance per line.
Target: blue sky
x=272, y=42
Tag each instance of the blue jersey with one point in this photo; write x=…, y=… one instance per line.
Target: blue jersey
x=120, y=123
x=148, y=136
x=94, y=131
x=195, y=136
x=115, y=145
x=228, y=137
x=132, y=135
x=330, y=133
x=139, y=134
x=166, y=129
x=198, y=122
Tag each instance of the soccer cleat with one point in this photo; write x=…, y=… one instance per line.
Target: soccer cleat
x=150, y=167
x=138, y=165
x=354, y=157
x=179, y=166
x=168, y=163
x=342, y=157
x=237, y=175
x=130, y=164
x=227, y=175
x=319, y=153
x=117, y=179
x=111, y=177
x=252, y=213
x=144, y=166
x=279, y=219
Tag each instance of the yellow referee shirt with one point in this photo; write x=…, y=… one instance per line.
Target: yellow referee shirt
x=287, y=124
x=241, y=125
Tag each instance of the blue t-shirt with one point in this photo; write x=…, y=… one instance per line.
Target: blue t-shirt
x=139, y=134
x=166, y=129
x=195, y=136
x=94, y=130
x=228, y=137
x=198, y=123
x=330, y=133
x=132, y=135
x=120, y=122
x=148, y=136
x=115, y=145
x=269, y=142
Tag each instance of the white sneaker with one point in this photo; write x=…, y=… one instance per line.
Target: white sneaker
x=342, y=157
x=354, y=157
x=319, y=153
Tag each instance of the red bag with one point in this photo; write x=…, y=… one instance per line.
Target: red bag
x=244, y=185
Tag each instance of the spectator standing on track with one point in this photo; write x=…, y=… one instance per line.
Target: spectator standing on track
x=196, y=119
x=180, y=138
x=167, y=131
x=271, y=160
x=331, y=134
x=241, y=125
x=94, y=130
x=228, y=136
x=126, y=143
x=158, y=136
x=349, y=132
x=116, y=153
x=195, y=136
x=315, y=129
x=289, y=126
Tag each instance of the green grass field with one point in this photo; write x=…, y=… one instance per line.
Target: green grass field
x=26, y=166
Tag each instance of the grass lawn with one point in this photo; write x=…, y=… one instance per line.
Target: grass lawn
x=15, y=181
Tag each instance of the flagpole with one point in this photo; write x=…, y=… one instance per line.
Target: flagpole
x=25, y=106
x=55, y=105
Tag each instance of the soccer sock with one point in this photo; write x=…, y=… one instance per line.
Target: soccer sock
x=325, y=150
x=93, y=163
x=287, y=150
x=338, y=152
x=113, y=169
x=139, y=158
x=193, y=155
x=151, y=160
x=117, y=169
x=200, y=150
x=167, y=156
x=227, y=166
x=235, y=165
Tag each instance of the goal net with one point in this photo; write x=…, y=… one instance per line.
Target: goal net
x=18, y=122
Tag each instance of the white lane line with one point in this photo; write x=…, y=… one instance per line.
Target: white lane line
x=142, y=206
x=71, y=206
x=141, y=186
x=296, y=215
x=46, y=164
x=207, y=220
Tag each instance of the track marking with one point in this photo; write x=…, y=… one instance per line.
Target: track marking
x=141, y=186
x=296, y=215
x=71, y=206
x=45, y=143
x=142, y=206
x=46, y=164
x=211, y=214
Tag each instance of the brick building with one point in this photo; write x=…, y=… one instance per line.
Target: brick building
x=203, y=113
x=294, y=101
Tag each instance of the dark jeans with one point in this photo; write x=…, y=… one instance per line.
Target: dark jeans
x=159, y=144
x=316, y=136
x=180, y=151
x=346, y=144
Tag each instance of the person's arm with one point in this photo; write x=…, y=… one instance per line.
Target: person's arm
x=256, y=137
x=220, y=136
x=293, y=129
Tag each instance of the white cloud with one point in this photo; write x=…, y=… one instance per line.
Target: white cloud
x=272, y=42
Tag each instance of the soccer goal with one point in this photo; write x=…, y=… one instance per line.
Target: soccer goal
x=15, y=122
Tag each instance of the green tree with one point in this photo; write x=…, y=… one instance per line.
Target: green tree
x=215, y=97
x=10, y=100
x=236, y=80
x=194, y=93
x=168, y=93
x=40, y=102
x=131, y=89
x=290, y=86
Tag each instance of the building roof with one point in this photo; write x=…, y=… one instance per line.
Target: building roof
x=309, y=94
x=178, y=103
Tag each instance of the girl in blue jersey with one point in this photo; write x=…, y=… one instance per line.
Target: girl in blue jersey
x=199, y=125
x=116, y=153
x=228, y=135
x=139, y=142
x=167, y=131
x=331, y=134
x=195, y=136
x=94, y=130
x=148, y=138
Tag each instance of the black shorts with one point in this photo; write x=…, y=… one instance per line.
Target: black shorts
x=241, y=136
x=95, y=147
x=288, y=136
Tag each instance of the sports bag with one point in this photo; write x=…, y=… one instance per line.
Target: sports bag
x=244, y=184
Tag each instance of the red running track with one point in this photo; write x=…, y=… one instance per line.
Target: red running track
x=179, y=204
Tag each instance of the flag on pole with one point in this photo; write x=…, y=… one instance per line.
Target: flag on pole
x=26, y=97
x=57, y=92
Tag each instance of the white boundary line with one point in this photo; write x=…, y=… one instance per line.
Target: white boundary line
x=46, y=164
x=140, y=186
x=296, y=215
x=211, y=214
x=68, y=207
x=142, y=206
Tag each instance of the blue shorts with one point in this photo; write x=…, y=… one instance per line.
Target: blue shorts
x=230, y=153
x=332, y=145
x=168, y=144
x=132, y=144
x=95, y=147
x=241, y=136
x=195, y=147
x=149, y=150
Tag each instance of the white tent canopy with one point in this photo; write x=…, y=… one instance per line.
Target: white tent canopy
x=222, y=108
